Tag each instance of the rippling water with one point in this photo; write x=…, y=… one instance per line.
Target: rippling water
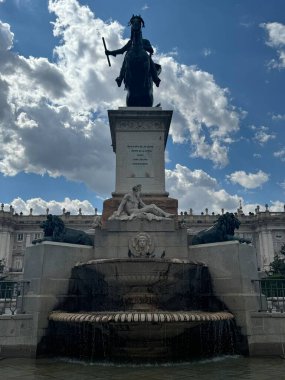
x=223, y=368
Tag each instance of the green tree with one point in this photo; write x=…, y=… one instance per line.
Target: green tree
x=277, y=266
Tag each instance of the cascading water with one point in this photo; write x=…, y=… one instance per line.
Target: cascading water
x=140, y=309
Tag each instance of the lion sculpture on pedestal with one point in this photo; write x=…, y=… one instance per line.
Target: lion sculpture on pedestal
x=55, y=230
x=222, y=230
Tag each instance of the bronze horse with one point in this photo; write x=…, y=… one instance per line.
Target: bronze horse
x=138, y=70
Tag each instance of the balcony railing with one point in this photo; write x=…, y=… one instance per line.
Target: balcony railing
x=11, y=296
x=271, y=294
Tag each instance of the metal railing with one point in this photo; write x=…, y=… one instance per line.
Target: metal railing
x=11, y=296
x=271, y=294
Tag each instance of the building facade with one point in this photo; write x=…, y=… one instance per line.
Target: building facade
x=265, y=229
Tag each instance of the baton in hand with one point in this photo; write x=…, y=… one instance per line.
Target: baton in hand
x=104, y=43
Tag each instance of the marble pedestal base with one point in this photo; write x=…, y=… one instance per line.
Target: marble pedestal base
x=112, y=241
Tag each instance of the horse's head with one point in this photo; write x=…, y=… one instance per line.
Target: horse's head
x=136, y=23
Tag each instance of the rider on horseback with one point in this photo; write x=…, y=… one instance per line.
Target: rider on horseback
x=136, y=22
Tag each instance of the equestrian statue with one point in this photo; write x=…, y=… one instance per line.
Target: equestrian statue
x=138, y=71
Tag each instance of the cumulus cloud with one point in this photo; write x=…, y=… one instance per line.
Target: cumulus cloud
x=194, y=188
x=40, y=206
x=53, y=114
x=276, y=40
x=263, y=137
x=6, y=37
x=262, y=134
x=203, y=115
x=249, y=180
x=276, y=206
x=273, y=206
x=280, y=154
x=198, y=190
x=278, y=117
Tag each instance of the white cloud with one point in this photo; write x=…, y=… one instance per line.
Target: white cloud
x=197, y=190
x=273, y=206
x=276, y=40
x=6, y=37
x=40, y=206
x=249, y=180
x=145, y=7
x=194, y=188
x=276, y=206
x=201, y=109
x=206, y=52
x=261, y=135
x=278, y=117
x=53, y=115
x=256, y=155
x=214, y=202
x=280, y=154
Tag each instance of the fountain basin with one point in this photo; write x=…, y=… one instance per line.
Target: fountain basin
x=137, y=308
x=138, y=271
x=187, y=317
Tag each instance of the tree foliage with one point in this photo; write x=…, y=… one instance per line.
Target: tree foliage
x=277, y=266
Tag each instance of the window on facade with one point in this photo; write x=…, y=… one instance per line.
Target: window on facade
x=17, y=264
x=37, y=235
x=20, y=237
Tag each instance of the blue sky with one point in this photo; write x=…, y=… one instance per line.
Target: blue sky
x=223, y=67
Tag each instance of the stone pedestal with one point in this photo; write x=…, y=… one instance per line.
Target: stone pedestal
x=48, y=269
x=232, y=267
x=139, y=137
x=113, y=240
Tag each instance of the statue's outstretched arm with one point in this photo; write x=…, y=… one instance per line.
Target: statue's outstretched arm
x=141, y=203
x=122, y=205
x=119, y=51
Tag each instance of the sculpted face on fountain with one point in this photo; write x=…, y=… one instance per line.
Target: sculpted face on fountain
x=141, y=245
x=132, y=207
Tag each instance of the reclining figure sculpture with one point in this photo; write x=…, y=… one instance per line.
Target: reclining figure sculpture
x=133, y=207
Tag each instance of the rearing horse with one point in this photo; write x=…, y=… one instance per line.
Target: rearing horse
x=138, y=70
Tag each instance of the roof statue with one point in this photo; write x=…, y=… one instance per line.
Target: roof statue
x=138, y=71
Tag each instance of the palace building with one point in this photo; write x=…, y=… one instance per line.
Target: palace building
x=265, y=229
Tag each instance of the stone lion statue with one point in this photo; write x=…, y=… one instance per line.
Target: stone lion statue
x=222, y=230
x=55, y=230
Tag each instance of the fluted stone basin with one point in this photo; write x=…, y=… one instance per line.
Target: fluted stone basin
x=138, y=271
x=137, y=308
x=187, y=317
